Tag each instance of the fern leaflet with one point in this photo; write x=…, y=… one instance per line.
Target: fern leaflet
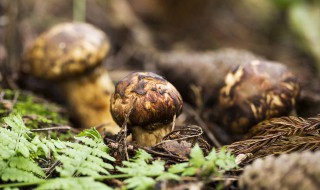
x=86, y=183
x=16, y=152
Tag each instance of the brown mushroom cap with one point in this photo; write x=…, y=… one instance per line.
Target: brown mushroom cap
x=256, y=91
x=66, y=49
x=150, y=100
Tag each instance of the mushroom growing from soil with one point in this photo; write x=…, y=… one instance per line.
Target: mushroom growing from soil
x=147, y=104
x=70, y=56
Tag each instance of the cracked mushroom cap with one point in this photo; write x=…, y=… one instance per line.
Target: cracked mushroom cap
x=288, y=171
x=66, y=49
x=149, y=99
x=256, y=91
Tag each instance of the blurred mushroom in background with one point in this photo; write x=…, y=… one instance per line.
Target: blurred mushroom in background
x=70, y=56
x=238, y=88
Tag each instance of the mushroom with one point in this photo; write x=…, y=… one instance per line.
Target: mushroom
x=147, y=104
x=256, y=91
x=238, y=88
x=70, y=56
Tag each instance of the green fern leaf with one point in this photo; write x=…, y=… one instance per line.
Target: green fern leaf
x=178, y=168
x=168, y=176
x=49, y=145
x=58, y=144
x=86, y=183
x=87, y=141
x=143, y=172
x=40, y=145
x=3, y=164
x=103, y=154
x=87, y=172
x=140, y=183
x=95, y=159
x=17, y=151
x=94, y=167
x=205, y=166
x=27, y=165
x=92, y=133
x=16, y=123
x=6, y=152
x=15, y=174
x=23, y=150
x=84, y=159
x=7, y=136
x=142, y=155
x=197, y=158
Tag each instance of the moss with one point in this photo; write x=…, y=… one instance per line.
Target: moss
x=36, y=112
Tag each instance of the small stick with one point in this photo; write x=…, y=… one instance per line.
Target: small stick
x=52, y=168
x=203, y=125
x=179, y=139
x=161, y=154
x=63, y=127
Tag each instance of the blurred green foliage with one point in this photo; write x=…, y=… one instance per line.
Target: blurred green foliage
x=303, y=17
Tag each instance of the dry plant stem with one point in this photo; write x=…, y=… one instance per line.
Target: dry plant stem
x=79, y=10
x=116, y=146
x=64, y=127
x=182, y=138
x=52, y=168
x=203, y=125
x=122, y=135
x=11, y=43
x=162, y=154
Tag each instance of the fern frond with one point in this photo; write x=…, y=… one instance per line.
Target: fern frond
x=84, y=159
x=87, y=141
x=49, y=144
x=15, y=174
x=84, y=183
x=140, y=183
x=213, y=164
x=6, y=151
x=96, y=167
x=91, y=133
x=27, y=165
x=142, y=171
x=103, y=154
x=16, y=123
x=17, y=151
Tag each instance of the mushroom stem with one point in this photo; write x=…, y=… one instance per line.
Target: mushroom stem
x=89, y=99
x=149, y=137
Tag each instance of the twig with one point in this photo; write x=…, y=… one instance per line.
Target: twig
x=179, y=139
x=173, y=122
x=208, y=132
x=63, y=127
x=124, y=130
x=52, y=168
x=162, y=154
